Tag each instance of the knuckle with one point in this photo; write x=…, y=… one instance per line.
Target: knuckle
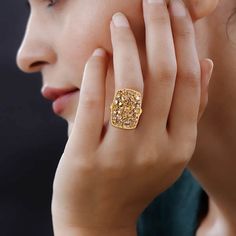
x=147, y=163
x=192, y=77
x=82, y=164
x=179, y=160
x=112, y=168
x=158, y=15
x=187, y=146
x=165, y=71
x=147, y=158
x=168, y=74
x=186, y=31
x=89, y=101
x=185, y=157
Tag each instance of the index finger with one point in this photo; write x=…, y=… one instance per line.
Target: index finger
x=89, y=119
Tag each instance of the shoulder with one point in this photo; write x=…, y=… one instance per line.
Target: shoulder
x=176, y=211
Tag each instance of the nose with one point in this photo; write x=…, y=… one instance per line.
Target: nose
x=35, y=51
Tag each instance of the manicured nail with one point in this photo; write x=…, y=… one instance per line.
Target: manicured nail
x=155, y=1
x=120, y=20
x=178, y=8
x=99, y=52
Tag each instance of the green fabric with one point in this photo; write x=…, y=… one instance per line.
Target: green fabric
x=175, y=212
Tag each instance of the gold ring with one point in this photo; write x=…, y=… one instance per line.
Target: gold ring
x=126, y=109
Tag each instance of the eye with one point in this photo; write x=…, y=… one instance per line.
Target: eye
x=52, y=3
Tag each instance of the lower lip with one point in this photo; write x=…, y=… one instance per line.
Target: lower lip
x=61, y=103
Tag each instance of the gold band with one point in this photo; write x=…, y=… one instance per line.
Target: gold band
x=126, y=109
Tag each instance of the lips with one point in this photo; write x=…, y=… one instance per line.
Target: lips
x=53, y=93
x=60, y=97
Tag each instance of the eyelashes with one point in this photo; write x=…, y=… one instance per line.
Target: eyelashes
x=51, y=3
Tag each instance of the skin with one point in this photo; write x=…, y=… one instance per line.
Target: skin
x=61, y=56
x=214, y=160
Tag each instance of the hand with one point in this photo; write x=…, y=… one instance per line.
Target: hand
x=106, y=181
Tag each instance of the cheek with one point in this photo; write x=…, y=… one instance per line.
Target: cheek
x=81, y=29
x=77, y=38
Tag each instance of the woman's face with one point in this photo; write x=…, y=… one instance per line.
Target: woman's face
x=62, y=34
x=59, y=40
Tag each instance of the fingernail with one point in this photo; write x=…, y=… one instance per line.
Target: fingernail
x=210, y=69
x=120, y=20
x=178, y=8
x=155, y=1
x=99, y=52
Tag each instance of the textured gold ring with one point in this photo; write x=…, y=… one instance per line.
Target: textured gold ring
x=126, y=109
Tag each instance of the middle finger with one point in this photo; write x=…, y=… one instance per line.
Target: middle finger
x=161, y=63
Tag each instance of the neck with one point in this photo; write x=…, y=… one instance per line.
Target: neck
x=213, y=164
x=215, y=223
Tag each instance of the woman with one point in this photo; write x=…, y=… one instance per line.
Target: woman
x=107, y=174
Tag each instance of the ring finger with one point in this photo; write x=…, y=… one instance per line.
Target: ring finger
x=127, y=66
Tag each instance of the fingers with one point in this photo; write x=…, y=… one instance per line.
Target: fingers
x=89, y=119
x=186, y=100
x=127, y=66
x=161, y=62
x=206, y=72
